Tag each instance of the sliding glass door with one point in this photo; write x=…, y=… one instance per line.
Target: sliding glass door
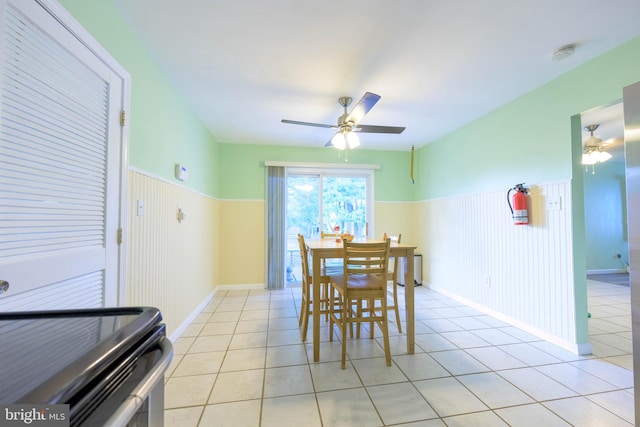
x=321, y=201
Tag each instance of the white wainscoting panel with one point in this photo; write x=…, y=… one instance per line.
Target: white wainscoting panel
x=524, y=273
x=172, y=264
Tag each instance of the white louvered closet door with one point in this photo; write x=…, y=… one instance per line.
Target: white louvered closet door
x=60, y=139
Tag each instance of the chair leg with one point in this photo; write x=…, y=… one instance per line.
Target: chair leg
x=385, y=331
x=332, y=306
x=302, y=305
x=325, y=300
x=371, y=304
x=346, y=308
x=396, y=306
x=350, y=323
x=359, y=315
x=305, y=320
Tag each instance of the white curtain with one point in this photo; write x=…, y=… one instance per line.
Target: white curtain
x=276, y=206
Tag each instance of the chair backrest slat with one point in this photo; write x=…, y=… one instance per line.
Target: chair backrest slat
x=395, y=239
x=324, y=235
x=366, y=257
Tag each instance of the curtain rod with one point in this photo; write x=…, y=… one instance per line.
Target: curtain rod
x=321, y=165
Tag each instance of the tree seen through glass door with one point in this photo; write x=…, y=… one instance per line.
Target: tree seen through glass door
x=318, y=203
x=344, y=205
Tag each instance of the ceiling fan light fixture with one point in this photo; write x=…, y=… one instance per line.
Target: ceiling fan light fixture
x=593, y=152
x=352, y=139
x=339, y=141
x=595, y=155
x=603, y=156
x=344, y=138
x=588, y=159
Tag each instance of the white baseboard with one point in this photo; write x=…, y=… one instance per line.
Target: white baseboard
x=184, y=325
x=607, y=271
x=249, y=286
x=580, y=349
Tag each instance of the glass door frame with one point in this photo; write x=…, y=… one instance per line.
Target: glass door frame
x=275, y=231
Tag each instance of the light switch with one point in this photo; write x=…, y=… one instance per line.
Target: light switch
x=140, y=208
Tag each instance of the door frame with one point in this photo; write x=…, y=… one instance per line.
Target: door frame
x=631, y=102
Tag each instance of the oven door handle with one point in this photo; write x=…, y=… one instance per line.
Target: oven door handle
x=128, y=408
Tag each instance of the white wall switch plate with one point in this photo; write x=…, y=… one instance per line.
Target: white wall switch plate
x=181, y=172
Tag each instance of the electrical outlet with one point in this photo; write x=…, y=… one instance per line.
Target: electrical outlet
x=554, y=203
x=487, y=281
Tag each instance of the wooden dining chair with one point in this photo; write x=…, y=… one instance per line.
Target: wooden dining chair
x=307, y=300
x=364, y=278
x=393, y=276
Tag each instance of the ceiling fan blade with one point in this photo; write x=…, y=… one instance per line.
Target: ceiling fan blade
x=363, y=106
x=319, y=125
x=379, y=129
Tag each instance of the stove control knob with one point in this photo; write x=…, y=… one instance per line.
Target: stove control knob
x=4, y=286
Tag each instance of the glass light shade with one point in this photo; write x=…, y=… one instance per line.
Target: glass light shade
x=353, y=140
x=603, y=156
x=339, y=141
x=592, y=157
x=589, y=159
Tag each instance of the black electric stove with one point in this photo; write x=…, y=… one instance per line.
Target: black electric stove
x=103, y=363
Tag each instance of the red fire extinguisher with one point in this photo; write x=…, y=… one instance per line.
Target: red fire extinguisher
x=519, y=209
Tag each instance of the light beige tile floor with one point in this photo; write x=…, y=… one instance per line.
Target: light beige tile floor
x=242, y=363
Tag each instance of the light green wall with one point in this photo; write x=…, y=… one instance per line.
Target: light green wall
x=243, y=174
x=605, y=216
x=529, y=139
x=164, y=130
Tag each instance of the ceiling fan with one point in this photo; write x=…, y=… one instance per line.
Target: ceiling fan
x=593, y=149
x=349, y=123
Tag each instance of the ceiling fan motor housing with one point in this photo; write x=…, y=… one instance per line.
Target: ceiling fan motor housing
x=345, y=101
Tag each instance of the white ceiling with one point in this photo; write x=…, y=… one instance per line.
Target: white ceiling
x=438, y=64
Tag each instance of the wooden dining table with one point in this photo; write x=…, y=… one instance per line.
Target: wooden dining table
x=329, y=248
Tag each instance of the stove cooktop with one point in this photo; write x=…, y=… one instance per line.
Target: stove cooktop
x=48, y=356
